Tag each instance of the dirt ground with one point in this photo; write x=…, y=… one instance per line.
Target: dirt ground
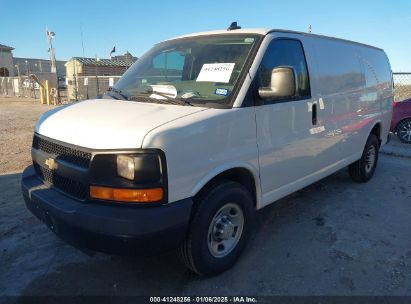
x=335, y=237
x=17, y=119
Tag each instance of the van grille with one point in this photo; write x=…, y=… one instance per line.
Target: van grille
x=67, y=185
x=76, y=157
x=71, y=156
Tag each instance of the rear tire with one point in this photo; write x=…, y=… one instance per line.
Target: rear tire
x=363, y=169
x=404, y=131
x=221, y=225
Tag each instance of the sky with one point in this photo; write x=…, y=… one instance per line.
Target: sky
x=135, y=25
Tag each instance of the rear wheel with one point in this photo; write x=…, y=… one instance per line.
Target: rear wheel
x=404, y=131
x=363, y=169
x=219, y=230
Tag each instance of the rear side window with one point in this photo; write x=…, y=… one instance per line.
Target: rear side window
x=376, y=67
x=286, y=52
x=339, y=67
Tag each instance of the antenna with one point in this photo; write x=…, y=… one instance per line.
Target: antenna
x=233, y=26
x=309, y=28
x=82, y=40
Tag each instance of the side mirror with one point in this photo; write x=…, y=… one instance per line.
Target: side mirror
x=282, y=84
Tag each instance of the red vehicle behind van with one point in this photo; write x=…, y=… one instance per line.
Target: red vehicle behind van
x=401, y=120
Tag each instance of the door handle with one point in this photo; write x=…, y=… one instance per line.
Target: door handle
x=314, y=114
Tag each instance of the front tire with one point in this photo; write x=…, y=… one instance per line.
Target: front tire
x=363, y=169
x=221, y=225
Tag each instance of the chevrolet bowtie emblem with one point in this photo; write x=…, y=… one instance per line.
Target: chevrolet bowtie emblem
x=51, y=164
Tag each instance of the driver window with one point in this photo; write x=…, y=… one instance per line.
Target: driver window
x=286, y=52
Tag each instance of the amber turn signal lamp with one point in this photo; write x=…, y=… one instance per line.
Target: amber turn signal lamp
x=127, y=195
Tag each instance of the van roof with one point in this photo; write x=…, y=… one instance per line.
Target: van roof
x=265, y=31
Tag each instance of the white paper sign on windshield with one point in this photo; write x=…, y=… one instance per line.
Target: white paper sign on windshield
x=216, y=72
x=163, y=89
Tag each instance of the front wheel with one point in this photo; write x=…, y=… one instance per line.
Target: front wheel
x=404, y=131
x=363, y=169
x=219, y=230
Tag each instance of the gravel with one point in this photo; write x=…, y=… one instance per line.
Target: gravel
x=17, y=119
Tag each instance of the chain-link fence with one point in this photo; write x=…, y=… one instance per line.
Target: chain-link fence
x=24, y=86
x=19, y=86
x=402, y=86
x=80, y=88
x=89, y=87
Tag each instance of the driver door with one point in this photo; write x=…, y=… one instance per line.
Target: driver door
x=287, y=149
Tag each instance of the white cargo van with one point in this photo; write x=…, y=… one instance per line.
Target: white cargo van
x=202, y=131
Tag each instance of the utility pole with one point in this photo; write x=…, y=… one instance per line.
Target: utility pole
x=50, y=36
x=53, y=69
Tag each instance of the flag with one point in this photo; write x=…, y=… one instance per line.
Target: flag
x=113, y=51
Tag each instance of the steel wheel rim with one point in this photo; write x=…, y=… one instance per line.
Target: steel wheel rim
x=370, y=159
x=405, y=131
x=225, y=230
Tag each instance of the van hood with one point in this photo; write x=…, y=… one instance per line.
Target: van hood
x=108, y=124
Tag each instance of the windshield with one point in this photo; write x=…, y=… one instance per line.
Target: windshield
x=195, y=71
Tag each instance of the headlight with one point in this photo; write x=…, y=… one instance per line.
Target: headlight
x=126, y=166
x=140, y=168
x=139, y=177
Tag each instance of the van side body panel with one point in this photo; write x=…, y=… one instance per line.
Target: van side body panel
x=355, y=83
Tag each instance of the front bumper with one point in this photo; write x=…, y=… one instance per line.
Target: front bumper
x=115, y=229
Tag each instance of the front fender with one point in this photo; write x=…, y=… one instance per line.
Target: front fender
x=233, y=165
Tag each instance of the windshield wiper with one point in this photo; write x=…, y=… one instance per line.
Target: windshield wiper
x=118, y=93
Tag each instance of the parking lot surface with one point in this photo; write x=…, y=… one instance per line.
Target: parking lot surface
x=334, y=237
x=17, y=119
